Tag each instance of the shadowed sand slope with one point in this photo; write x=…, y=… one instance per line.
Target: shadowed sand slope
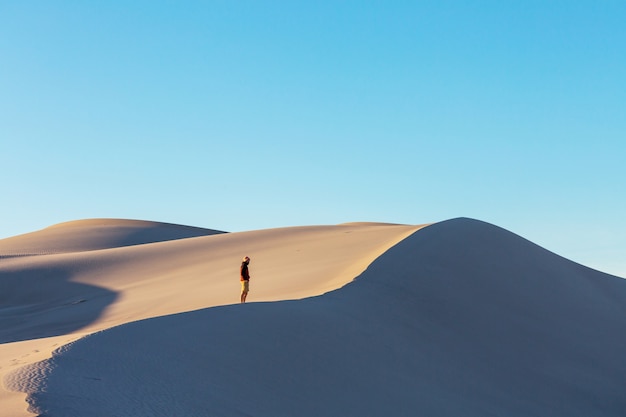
x=41, y=296
x=93, y=234
x=461, y=318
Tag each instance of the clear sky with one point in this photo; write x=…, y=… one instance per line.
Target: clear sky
x=241, y=115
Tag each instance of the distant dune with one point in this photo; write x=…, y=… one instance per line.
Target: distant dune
x=95, y=234
x=460, y=318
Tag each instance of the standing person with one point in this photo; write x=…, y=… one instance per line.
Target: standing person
x=244, y=278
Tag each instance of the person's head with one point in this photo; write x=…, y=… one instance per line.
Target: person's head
x=246, y=259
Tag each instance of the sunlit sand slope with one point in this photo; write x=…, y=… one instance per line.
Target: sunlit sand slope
x=49, y=300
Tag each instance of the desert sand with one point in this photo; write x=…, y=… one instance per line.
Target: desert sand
x=76, y=278
x=458, y=318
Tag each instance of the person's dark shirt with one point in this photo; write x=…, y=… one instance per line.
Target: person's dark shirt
x=245, y=275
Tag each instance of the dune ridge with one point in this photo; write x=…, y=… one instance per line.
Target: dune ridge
x=458, y=318
x=49, y=301
x=95, y=234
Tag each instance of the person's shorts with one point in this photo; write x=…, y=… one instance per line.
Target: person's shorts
x=245, y=286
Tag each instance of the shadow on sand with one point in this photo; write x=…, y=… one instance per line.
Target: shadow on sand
x=37, y=302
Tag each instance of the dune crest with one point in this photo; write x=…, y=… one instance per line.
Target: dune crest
x=95, y=234
x=49, y=301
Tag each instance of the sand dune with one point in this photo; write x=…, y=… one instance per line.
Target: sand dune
x=89, y=280
x=460, y=318
x=94, y=234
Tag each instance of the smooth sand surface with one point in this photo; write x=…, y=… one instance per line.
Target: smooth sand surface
x=460, y=318
x=73, y=279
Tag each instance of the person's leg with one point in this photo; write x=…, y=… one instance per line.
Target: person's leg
x=244, y=291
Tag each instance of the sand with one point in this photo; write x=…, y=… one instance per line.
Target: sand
x=76, y=278
x=457, y=318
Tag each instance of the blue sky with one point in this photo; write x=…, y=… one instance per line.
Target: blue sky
x=240, y=115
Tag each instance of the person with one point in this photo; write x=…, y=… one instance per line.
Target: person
x=245, y=278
